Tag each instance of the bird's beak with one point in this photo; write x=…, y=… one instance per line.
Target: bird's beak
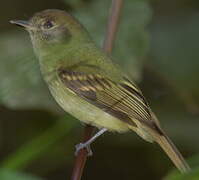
x=25, y=24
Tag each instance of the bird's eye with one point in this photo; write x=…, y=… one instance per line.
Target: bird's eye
x=48, y=25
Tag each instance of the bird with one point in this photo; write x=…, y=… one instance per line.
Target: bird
x=86, y=83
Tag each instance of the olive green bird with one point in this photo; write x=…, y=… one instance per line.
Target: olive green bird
x=87, y=84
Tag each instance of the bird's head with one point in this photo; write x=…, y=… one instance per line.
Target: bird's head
x=50, y=27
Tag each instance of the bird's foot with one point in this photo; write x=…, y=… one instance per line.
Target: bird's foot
x=81, y=146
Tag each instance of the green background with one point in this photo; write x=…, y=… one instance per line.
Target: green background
x=157, y=44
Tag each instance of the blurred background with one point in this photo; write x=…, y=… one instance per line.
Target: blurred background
x=157, y=44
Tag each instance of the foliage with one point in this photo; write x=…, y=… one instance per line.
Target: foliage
x=175, y=56
x=39, y=145
x=21, y=83
x=159, y=51
x=192, y=175
x=8, y=175
x=131, y=46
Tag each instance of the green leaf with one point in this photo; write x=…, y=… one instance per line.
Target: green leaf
x=21, y=83
x=132, y=41
x=6, y=174
x=192, y=175
x=39, y=145
x=175, y=54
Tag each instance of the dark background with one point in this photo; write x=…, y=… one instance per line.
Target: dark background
x=157, y=44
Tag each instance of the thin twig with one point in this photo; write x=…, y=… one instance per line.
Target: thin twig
x=112, y=27
x=81, y=158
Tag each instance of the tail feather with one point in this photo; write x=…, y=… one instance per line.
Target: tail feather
x=165, y=143
x=170, y=149
x=173, y=153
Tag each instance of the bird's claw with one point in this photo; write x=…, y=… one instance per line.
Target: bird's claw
x=81, y=146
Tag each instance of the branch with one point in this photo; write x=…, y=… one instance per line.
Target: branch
x=81, y=158
x=110, y=37
x=112, y=27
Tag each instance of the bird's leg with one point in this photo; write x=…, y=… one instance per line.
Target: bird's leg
x=86, y=144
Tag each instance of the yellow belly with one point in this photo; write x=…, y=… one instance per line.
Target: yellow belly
x=83, y=110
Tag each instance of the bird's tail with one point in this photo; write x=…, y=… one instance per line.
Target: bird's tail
x=170, y=149
x=173, y=153
x=165, y=143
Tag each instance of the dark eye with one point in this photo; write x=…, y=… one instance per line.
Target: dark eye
x=48, y=25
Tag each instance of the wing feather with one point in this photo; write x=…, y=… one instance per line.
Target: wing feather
x=123, y=100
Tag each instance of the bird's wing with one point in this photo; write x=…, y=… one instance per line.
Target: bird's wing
x=122, y=99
